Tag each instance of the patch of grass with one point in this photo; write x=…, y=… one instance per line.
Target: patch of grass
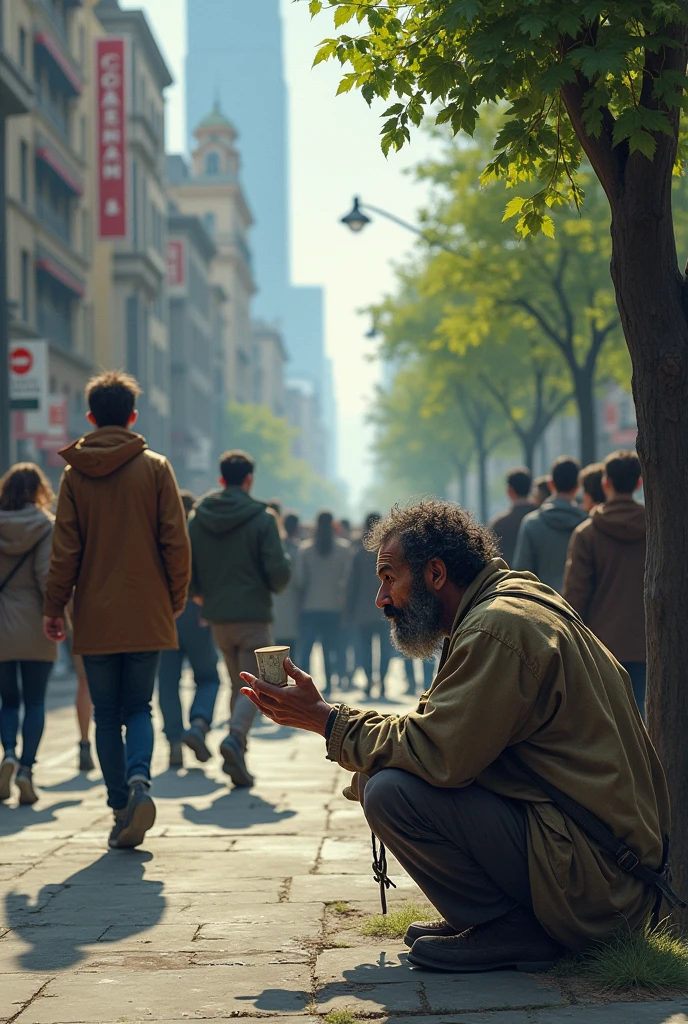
x=652, y=961
x=394, y=924
x=340, y=908
x=340, y=1017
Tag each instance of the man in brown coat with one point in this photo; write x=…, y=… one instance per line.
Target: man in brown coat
x=605, y=569
x=515, y=879
x=506, y=525
x=120, y=544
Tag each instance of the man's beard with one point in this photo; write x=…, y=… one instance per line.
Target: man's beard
x=417, y=627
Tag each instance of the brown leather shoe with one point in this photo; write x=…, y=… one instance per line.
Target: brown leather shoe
x=516, y=940
x=428, y=929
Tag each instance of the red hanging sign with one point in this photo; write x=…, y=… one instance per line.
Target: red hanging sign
x=111, y=119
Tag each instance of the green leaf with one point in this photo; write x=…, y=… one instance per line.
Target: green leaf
x=315, y=7
x=343, y=14
x=642, y=142
x=513, y=208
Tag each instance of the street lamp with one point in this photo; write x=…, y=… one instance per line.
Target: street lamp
x=356, y=220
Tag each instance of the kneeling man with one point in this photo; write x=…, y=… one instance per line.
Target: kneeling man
x=523, y=687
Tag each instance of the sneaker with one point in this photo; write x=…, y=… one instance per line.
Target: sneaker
x=194, y=738
x=235, y=764
x=139, y=816
x=516, y=940
x=176, y=755
x=7, y=770
x=428, y=929
x=85, y=757
x=117, y=828
x=24, y=783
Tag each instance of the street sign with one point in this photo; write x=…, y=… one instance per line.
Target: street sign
x=29, y=380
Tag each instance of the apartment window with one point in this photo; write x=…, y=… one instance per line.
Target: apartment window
x=212, y=163
x=22, y=47
x=209, y=222
x=24, y=172
x=25, y=286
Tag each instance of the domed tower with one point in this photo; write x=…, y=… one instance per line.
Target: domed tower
x=215, y=155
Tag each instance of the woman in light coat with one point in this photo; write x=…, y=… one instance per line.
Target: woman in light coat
x=26, y=656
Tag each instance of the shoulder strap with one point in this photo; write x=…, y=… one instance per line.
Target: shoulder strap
x=19, y=564
x=586, y=821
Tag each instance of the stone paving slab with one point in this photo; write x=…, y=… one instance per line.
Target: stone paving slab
x=204, y=992
x=322, y=888
x=371, y=999
x=447, y=993
x=618, y=1013
x=16, y=991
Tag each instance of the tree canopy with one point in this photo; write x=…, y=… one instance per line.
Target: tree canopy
x=602, y=76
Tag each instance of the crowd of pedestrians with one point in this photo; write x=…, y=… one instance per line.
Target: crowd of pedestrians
x=140, y=578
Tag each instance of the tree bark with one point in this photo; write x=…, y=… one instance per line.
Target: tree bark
x=651, y=295
x=585, y=400
x=482, y=456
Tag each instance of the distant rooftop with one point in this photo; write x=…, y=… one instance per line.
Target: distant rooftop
x=215, y=119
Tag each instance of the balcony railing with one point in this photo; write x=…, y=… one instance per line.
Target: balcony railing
x=57, y=22
x=54, y=221
x=54, y=327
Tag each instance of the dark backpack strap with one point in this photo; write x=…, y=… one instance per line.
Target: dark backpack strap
x=16, y=569
x=596, y=830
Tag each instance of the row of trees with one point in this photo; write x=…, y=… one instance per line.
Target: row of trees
x=268, y=438
x=497, y=337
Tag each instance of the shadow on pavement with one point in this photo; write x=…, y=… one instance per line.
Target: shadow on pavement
x=16, y=819
x=79, y=783
x=238, y=809
x=172, y=784
x=79, y=911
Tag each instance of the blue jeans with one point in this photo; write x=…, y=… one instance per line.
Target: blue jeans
x=364, y=656
x=196, y=644
x=637, y=670
x=121, y=687
x=34, y=679
x=322, y=626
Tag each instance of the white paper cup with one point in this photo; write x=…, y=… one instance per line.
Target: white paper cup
x=271, y=665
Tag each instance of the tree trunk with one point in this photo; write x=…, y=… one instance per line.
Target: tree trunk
x=651, y=295
x=483, y=456
x=585, y=401
x=528, y=450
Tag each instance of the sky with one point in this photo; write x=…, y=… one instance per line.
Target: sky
x=335, y=154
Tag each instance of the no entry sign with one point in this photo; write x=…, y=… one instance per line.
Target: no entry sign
x=21, y=361
x=29, y=378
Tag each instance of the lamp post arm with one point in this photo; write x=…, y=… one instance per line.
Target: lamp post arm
x=409, y=227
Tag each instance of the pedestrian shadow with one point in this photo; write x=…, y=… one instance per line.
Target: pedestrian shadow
x=16, y=819
x=79, y=783
x=237, y=809
x=63, y=923
x=173, y=784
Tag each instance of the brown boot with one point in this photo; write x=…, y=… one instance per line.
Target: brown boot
x=427, y=930
x=516, y=940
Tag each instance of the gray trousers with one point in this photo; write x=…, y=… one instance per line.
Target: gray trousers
x=466, y=848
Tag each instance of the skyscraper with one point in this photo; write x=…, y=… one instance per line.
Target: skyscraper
x=236, y=57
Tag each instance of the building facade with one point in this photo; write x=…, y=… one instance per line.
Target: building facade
x=303, y=414
x=210, y=189
x=195, y=304
x=136, y=335
x=50, y=209
x=269, y=360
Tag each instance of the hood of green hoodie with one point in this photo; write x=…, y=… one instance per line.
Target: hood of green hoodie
x=622, y=519
x=103, y=451
x=224, y=511
x=561, y=515
x=22, y=530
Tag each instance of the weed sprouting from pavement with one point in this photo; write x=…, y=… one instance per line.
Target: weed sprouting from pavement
x=395, y=924
x=653, y=960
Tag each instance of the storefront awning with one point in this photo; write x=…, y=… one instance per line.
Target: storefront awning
x=50, y=265
x=48, y=44
x=52, y=159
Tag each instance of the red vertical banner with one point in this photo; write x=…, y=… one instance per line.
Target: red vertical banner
x=176, y=264
x=111, y=121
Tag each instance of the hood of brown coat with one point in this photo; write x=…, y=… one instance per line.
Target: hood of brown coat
x=623, y=519
x=21, y=531
x=105, y=450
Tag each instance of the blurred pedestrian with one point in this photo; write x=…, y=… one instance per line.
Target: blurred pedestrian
x=27, y=656
x=543, y=538
x=238, y=564
x=286, y=605
x=606, y=567
x=506, y=525
x=363, y=614
x=428, y=665
x=322, y=570
x=542, y=490
x=195, y=645
x=590, y=479
x=120, y=546
x=84, y=715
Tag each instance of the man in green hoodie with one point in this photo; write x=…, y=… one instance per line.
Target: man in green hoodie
x=238, y=564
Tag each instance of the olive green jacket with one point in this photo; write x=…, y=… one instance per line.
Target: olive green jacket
x=517, y=674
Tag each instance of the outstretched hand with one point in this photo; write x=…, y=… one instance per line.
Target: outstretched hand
x=300, y=706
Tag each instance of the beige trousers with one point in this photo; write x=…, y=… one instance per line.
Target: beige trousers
x=238, y=641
